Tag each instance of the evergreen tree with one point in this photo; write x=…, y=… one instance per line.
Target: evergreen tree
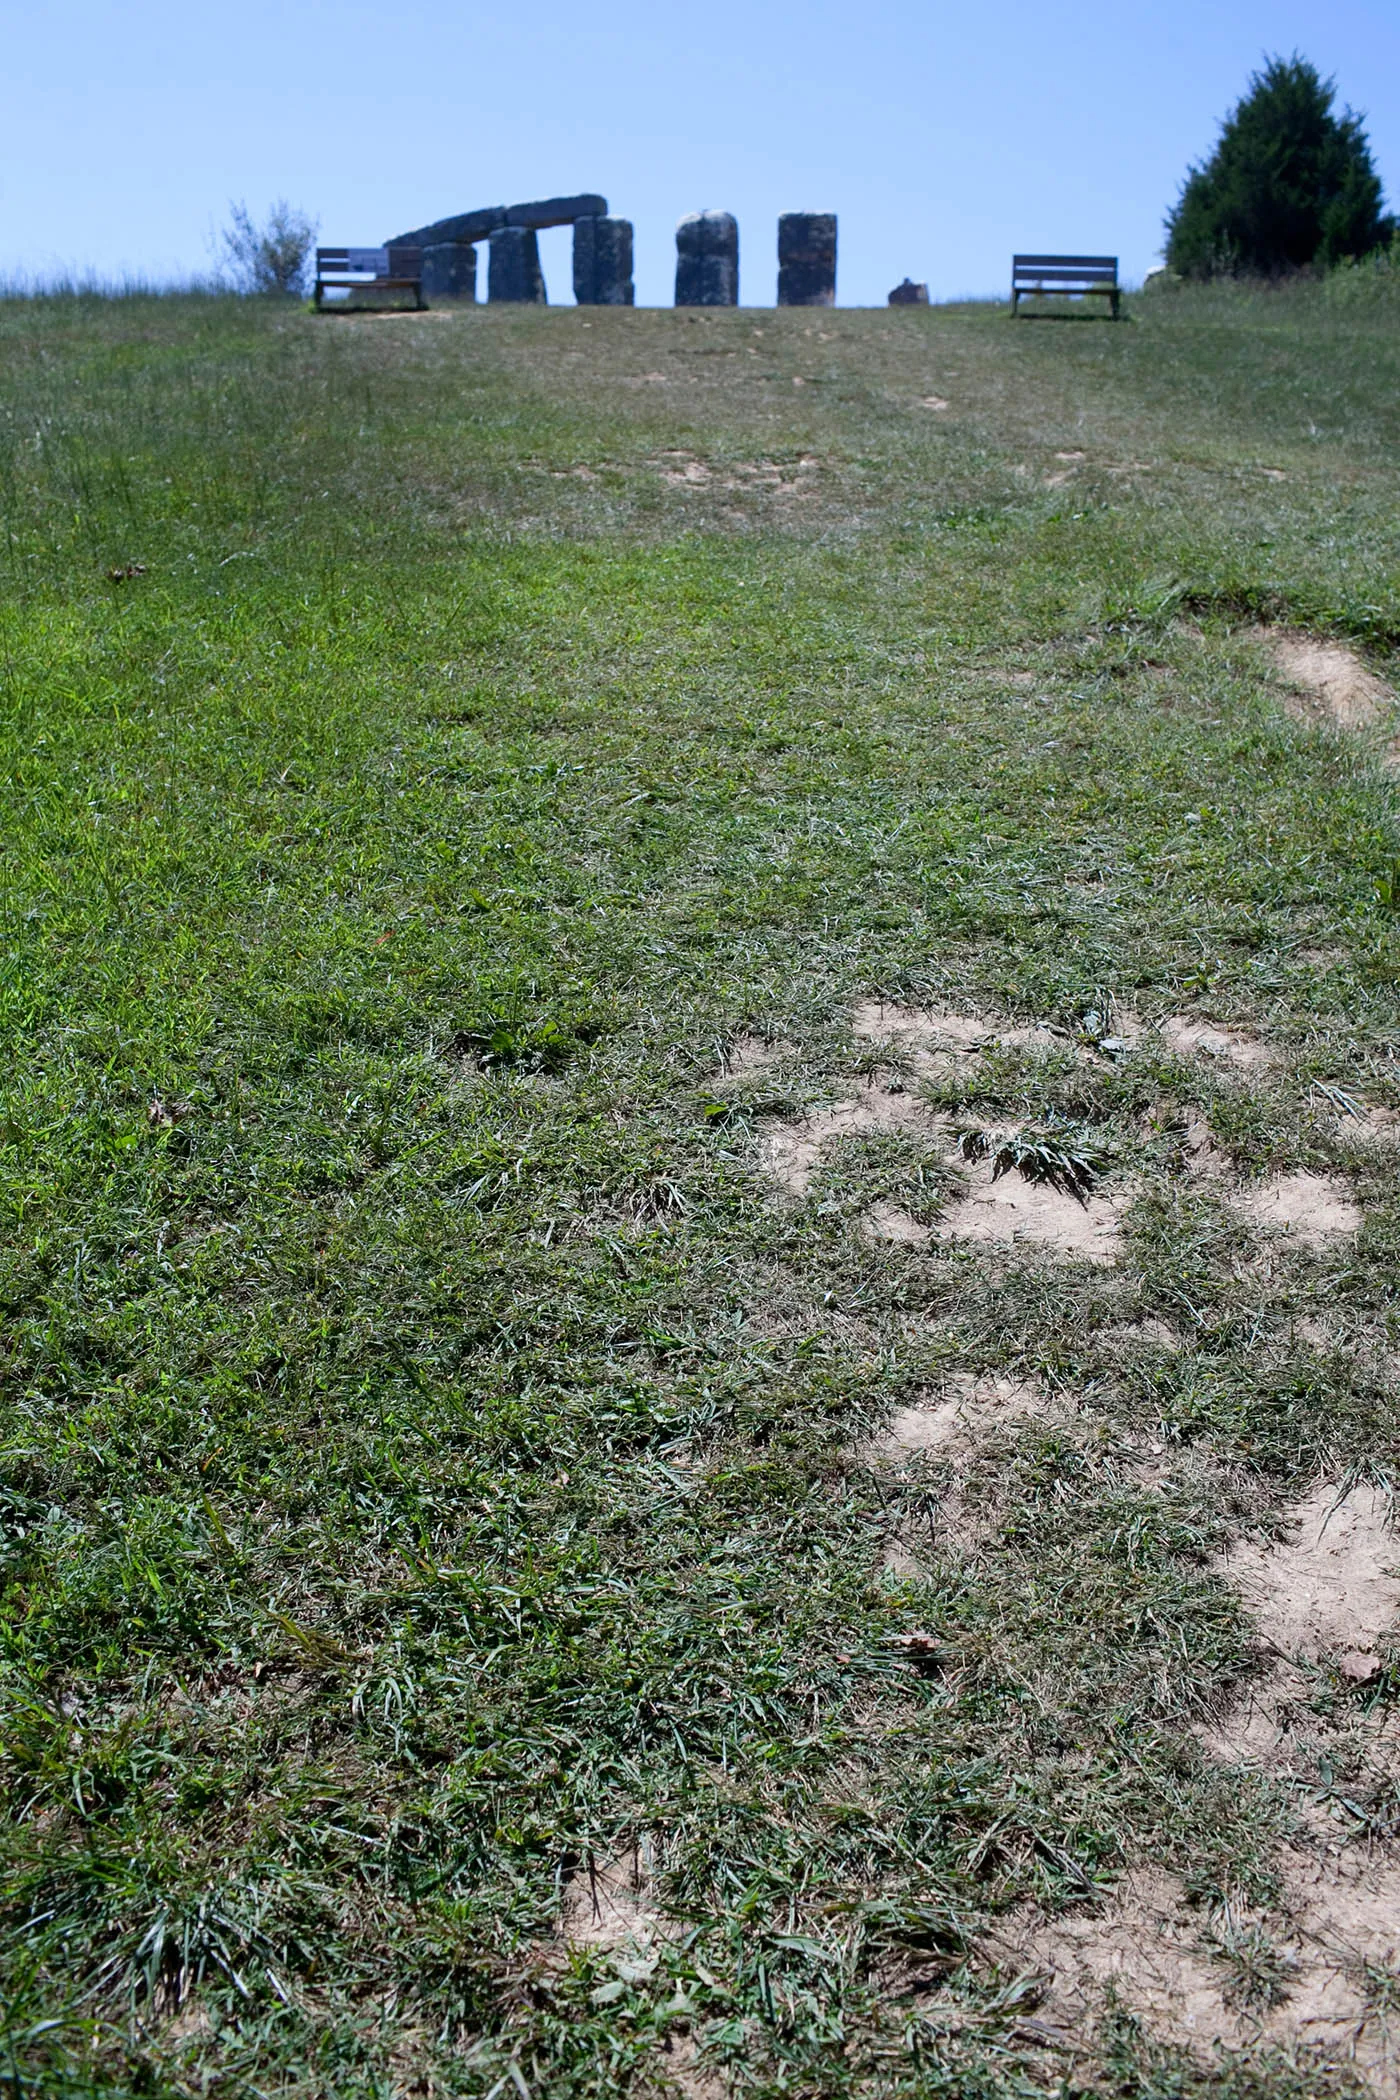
x=1289, y=183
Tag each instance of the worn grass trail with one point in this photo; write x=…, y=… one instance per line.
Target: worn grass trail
x=437, y=1463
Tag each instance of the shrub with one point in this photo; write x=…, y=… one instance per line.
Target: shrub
x=1289, y=184
x=272, y=257
x=1367, y=280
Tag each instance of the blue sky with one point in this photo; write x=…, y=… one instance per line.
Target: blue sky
x=944, y=135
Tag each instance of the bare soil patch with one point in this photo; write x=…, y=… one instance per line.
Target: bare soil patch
x=986, y=1207
x=1200, y=1155
x=1008, y=1210
x=958, y=1416
x=1230, y=1979
x=949, y=1425
x=778, y=478
x=686, y=2072
x=607, y=1904
x=752, y=1057
x=930, y=1038
x=919, y=1032
x=1235, y=1046
x=1148, y=1333
x=1325, y=1597
x=1328, y=683
x=886, y=1225
x=791, y=1152
x=1331, y=1586
x=1314, y=1209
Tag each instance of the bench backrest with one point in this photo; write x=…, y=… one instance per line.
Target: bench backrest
x=369, y=262
x=1064, y=273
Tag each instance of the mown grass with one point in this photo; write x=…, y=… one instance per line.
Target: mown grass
x=432, y=1457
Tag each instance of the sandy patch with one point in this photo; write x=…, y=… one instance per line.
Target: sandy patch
x=915, y=1031
x=1329, y=683
x=607, y=1905
x=1314, y=1209
x=1331, y=1587
x=954, y=1420
x=947, y=1426
x=1354, y=1117
x=1326, y=1597
x=791, y=1152
x=1209, y=1039
x=929, y=1037
x=752, y=1057
x=1201, y=1157
x=900, y=1558
x=1226, y=1979
x=934, y=401
x=685, y=470
x=886, y=1225
x=1147, y=1333
x=688, y=474
x=686, y=2072
x=1010, y=1210
x=1001, y=1209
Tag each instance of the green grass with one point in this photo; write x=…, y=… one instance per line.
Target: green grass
x=431, y=1456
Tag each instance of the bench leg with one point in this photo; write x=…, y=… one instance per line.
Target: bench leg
x=1113, y=302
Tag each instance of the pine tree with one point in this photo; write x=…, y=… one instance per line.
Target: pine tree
x=1289, y=183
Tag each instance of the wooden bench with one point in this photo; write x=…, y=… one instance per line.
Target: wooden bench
x=1091, y=276
x=363, y=274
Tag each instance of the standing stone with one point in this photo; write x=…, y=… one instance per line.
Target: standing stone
x=909, y=294
x=807, y=258
x=449, y=270
x=707, y=259
x=516, y=276
x=603, y=262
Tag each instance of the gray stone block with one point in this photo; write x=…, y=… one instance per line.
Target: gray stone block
x=481, y=224
x=707, y=259
x=603, y=262
x=515, y=276
x=909, y=294
x=449, y=270
x=557, y=211
x=807, y=258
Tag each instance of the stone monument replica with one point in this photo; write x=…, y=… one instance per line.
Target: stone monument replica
x=602, y=246
x=515, y=275
x=807, y=258
x=707, y=259
x=449, y=270
x=603, y=262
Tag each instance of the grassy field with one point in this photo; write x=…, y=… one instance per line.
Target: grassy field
x=466, y=778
